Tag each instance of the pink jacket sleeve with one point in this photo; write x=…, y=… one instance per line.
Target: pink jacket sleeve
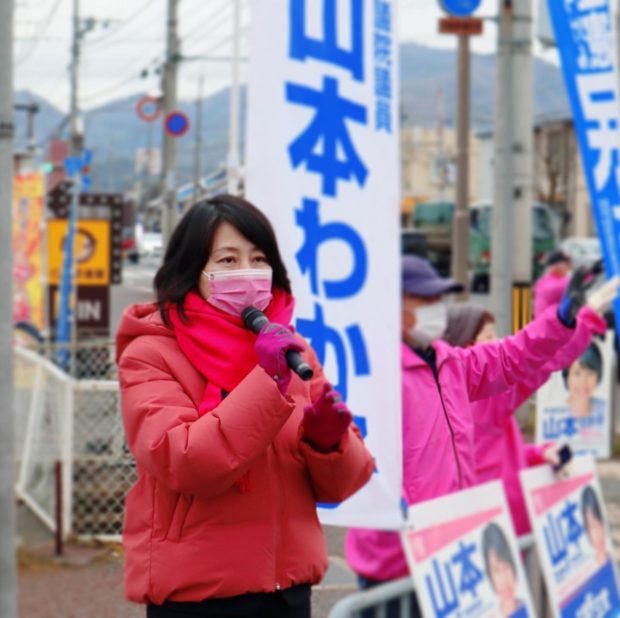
x=494, y=367
x=588, y=323
x=201, y=455
x=540, y=302
x=534, y=453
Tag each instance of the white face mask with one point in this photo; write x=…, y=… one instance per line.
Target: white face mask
x=431, y=322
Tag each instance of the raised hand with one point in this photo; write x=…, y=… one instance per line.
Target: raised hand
x=326, y=420
x=272, y=343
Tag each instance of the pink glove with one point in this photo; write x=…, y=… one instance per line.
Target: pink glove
x=271, y=346
x=326, y=420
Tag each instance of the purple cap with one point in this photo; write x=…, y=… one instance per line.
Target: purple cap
x=421, y=279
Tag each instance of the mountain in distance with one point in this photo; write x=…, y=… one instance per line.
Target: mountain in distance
x=423, y=70
x=114, y=131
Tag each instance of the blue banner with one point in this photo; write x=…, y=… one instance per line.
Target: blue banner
x=66, y=289
x=584, y=35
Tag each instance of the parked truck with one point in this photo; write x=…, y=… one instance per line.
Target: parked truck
x=432, y=227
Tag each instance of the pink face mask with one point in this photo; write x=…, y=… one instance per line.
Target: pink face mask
x=234, y=290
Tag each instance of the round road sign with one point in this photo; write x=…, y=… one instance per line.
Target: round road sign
x=176, y=124
x=460, y=8
x=148, y=109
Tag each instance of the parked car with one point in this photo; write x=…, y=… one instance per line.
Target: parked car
x=129, y=245
x=582, y=250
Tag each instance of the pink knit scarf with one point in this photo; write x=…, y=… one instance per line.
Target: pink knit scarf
x=218, y=345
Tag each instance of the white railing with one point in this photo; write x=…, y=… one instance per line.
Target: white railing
x=75, y=422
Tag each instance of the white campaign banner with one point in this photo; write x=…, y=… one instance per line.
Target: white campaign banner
x=322, y=161
x=573, y=540
x=463, y=554
x=575, y=405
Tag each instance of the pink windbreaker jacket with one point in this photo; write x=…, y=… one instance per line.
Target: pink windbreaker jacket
x=501, y=451
x=548, y=292
x=190, y=532
x=438, y=425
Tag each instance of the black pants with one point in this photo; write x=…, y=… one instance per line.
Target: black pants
x=291, y=603
x=393, y=607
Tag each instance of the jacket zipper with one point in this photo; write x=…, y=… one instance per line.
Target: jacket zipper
x=453, y=438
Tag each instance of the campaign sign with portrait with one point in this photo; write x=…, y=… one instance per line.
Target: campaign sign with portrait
x=574, y=406
x=573, y=539
x=463, y=554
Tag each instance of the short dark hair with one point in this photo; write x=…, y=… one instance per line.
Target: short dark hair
x=589, y=502
x=493, y=538
x=191, y=243
x=591, y=359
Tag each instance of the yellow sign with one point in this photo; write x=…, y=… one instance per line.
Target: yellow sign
x=91, y=251
x=28, y=213
x=521, y=305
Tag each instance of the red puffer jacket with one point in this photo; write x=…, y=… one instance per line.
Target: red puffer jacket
x=190, y=531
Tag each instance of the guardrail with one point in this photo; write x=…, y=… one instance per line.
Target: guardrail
x=399, y=590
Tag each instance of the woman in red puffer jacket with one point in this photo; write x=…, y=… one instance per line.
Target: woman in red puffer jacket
x=232, y=449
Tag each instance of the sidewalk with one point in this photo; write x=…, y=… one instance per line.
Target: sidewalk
x=89, y=583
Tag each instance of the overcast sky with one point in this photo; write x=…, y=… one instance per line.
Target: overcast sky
x=114, y=54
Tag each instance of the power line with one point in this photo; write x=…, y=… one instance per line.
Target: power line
x=54, y=88
x=225, y=6
x=45, y=24
x=112, y=33
x=126, y=80
x=219, y=44
x=225, y=39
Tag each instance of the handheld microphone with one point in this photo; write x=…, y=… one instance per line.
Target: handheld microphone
x=254, y=320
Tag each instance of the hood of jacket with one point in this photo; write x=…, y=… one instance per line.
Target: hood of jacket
x=464, y=323
x=137, y=321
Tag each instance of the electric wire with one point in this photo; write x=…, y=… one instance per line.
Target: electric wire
x=135, y=74
x=38, y=37
x=186, y=36
x=105, y=38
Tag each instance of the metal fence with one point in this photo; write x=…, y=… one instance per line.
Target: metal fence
x=399, y=590
x=74, y=420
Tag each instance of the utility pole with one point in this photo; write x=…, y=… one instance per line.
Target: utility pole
x=75, y=128
x=501, y=217
x=460, y=230
x=232, y=173
x=8, y=568
x=169, y=148
x=464, y=27
x=511, y=263
x=523, y=163
x=441, y=155
x=76, y=144
x=198, y=141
